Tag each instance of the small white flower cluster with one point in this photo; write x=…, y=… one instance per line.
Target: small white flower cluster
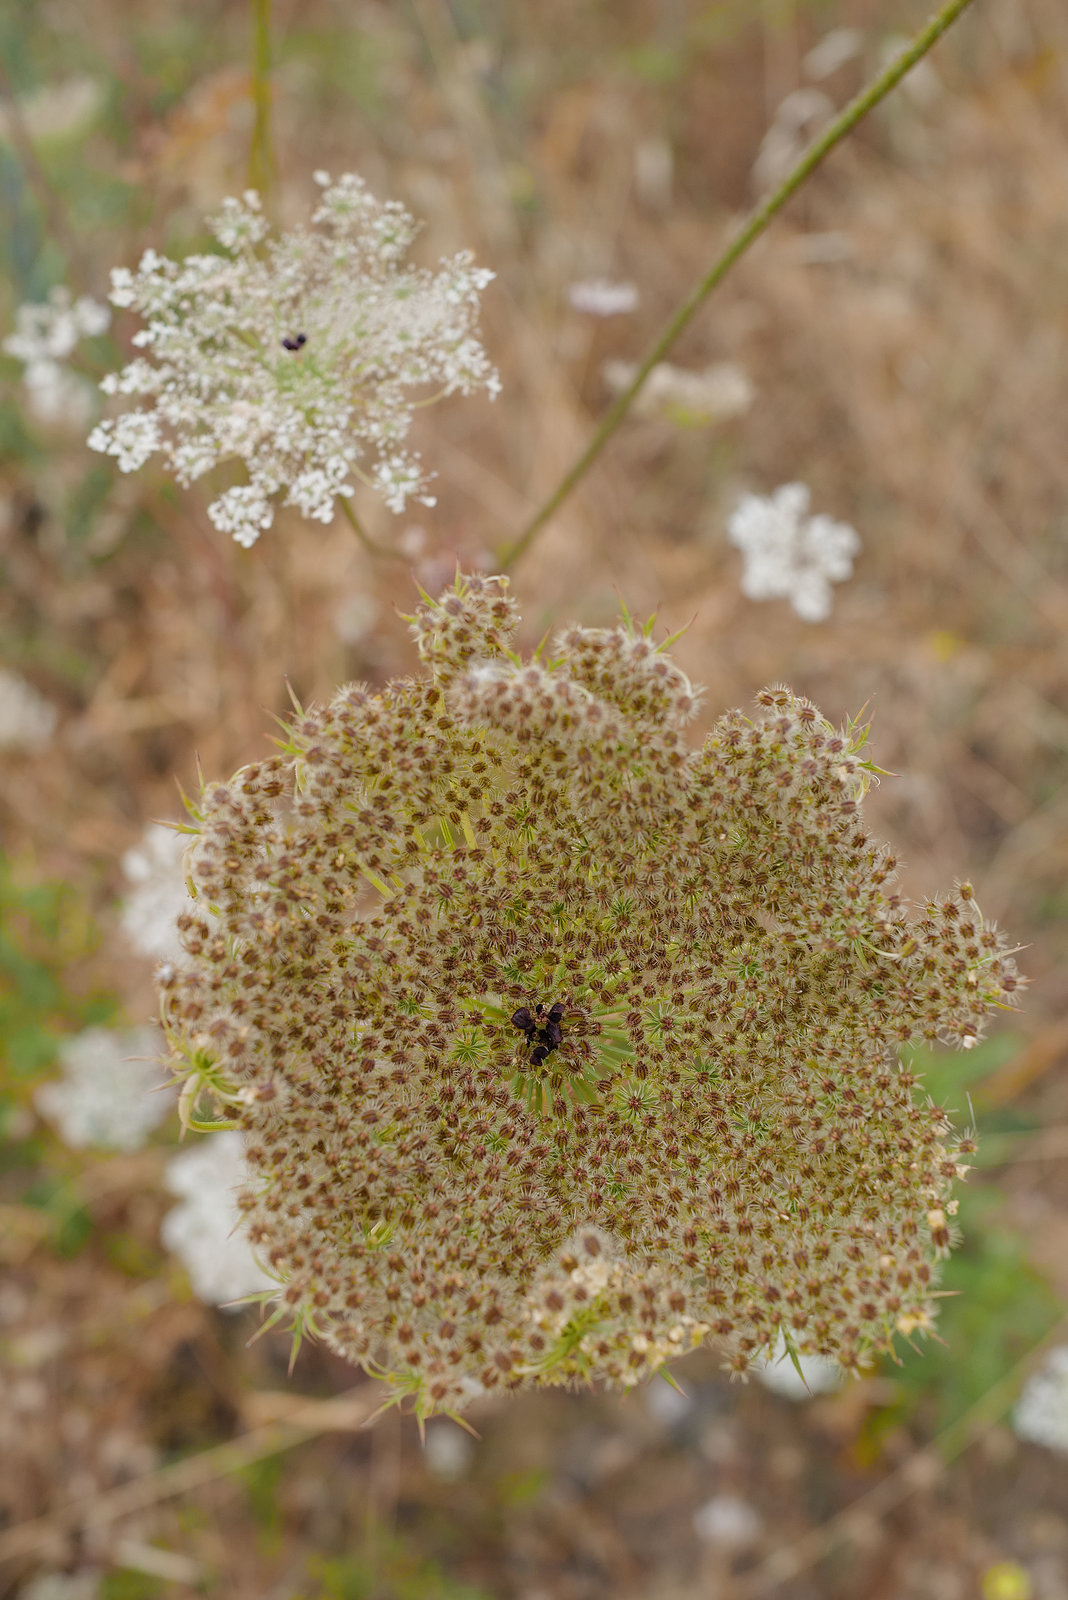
x=295, y=354
x=1041, y=1414
x=27, y=719
x=158, y=893
x=599, y=297
x=818, y=1375
x=109, y=1096
x=45, y=337
x=790, y=555
x=201, y=1230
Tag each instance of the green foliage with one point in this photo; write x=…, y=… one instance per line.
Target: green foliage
x=45, y=933
x=516, y=1490
x=124, y=1585
x=390, y=1572
x=87, y=500
x=949, y=1075
x=996, y=1305
x=656, y=64
x=261, y=1480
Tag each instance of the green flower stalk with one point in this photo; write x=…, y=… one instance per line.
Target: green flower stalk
x=561, y=1047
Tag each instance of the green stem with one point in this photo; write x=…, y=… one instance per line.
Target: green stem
x=365, y=539
x=752, y=228
x=261, y=169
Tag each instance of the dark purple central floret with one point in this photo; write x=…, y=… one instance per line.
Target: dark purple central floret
x=542, y=1029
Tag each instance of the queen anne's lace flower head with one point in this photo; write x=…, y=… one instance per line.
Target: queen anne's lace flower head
x=790, y=555
x=296, y=355
x=561, y=1047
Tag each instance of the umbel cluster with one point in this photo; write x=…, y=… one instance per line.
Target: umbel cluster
x=559, y=1046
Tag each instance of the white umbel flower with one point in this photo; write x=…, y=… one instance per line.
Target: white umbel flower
x=790, y=555
x=295, y=355
x=111, y=1094
x=203, y=1230
x=27, y=719
x=1041, y=1414
x=157, y=895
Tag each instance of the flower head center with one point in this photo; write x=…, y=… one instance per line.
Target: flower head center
x=543, y=1030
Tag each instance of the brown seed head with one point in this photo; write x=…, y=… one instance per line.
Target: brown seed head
x=715, y=1138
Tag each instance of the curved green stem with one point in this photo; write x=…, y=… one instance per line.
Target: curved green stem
x=369, y=544
x=261, y=169
x=752, y=228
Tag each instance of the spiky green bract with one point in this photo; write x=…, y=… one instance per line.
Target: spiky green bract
x=723, y=1144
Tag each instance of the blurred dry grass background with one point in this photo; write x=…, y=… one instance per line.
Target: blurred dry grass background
x=905, y=328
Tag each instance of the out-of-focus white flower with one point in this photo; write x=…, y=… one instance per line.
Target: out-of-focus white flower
x=832, y=51
x=158, y=893
x=355, y=617
x=728, y=1521
x=799, y=118
x=818, y=1375
x=27, y=719
x=45, y=337
x=1041, y=1414
x=448, y=1451
x=714, y=394
x=654, y=172
x=52, y=330
x=83, y=1585
x=598, y=297
x=56, y=110
x=295, y=354
x=790, y=555
x=921, y=82
x=59, y=397
x=204, y=1230
x=667, y=1403
x=112, y=1092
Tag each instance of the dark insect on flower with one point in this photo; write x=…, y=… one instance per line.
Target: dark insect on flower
x=542, y=1029
x=295, y=344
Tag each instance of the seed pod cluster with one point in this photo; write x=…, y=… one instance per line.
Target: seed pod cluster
x=559, y=1046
